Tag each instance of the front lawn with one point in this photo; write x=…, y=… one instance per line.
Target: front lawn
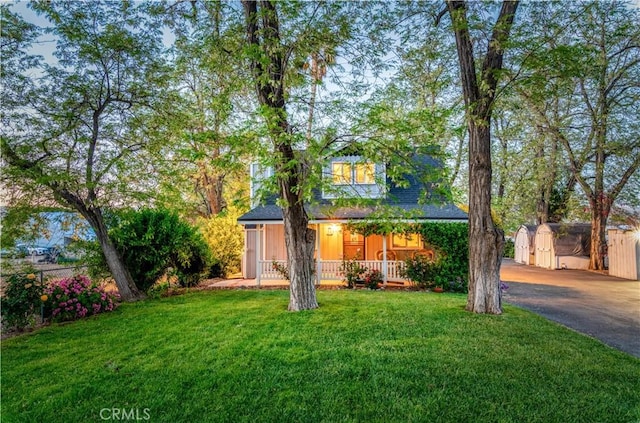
x=364, y=356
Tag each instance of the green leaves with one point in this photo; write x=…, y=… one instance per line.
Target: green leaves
x=154, y=243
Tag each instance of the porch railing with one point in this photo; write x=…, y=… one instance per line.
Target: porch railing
x=331, y=269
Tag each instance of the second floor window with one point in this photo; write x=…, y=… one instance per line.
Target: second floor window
x=345, y=173
x=341, y=172
x=365, y=173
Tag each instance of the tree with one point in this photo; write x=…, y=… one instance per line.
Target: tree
x=208, y=146
x=268, y=64
x=77, y=136
x=486, y=241
x=277, y=51
x=17, y=37
x=581, y=88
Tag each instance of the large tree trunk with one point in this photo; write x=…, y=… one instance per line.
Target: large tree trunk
x=126, y=286
x=598, y=243
x=600, y=209
x=267, y=66
x=212, y=191
x=486, y=241
x=300, y=242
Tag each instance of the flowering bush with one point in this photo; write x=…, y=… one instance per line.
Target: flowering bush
x=373, y=278
x=21, y=301
x=76, y=297
x=282, y=269
x=352, y=271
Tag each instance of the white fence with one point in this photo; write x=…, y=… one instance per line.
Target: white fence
x=332, y=269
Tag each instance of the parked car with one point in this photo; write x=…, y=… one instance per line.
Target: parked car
x=32, y=250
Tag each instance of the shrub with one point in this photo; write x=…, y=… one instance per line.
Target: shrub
x=225, y=239
x=282, y=269
x=77, y=297
x=420, y=270
x=21, y=300
x=352, y=271
x=215, y=269
x=450, y=270
x=373, y=278
x=509, y=248
x=155, y=243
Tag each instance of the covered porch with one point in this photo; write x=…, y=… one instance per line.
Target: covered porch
x=265, y=252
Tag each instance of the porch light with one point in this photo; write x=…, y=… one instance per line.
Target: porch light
x=332, y=228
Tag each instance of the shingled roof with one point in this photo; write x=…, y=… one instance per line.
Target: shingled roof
x=402, y=200
x=273, y=213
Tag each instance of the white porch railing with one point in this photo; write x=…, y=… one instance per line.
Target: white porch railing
x=331, y=269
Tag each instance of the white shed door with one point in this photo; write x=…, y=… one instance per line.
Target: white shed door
x=544, y=249
x=522, y=247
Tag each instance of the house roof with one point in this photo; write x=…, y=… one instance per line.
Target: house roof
x=272, y=213
x=403, y=200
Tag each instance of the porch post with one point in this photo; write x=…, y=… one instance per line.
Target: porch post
x=258, y=254
x=318, y=256
x=385, y=267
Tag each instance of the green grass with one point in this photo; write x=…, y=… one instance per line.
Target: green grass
x=364, y=356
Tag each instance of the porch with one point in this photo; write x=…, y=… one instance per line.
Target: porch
x=265, y=252
x=330, y=272
x=284, y=284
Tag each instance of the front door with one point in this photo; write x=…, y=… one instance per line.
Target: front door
x=353, y=245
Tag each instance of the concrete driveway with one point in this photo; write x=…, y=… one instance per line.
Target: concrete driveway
x=601, y=306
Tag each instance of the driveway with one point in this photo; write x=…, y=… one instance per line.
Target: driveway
x=601, y=306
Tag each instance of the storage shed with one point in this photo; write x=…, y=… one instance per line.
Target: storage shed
x=563, y=246
x=624, y=253
x=524, y=244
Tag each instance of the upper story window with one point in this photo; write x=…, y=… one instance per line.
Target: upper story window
x=353, y=177
x=345, y=173
x=341, y=172
x=258, y=175
x=365, y=173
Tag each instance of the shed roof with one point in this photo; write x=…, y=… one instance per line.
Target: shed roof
x=570, y=239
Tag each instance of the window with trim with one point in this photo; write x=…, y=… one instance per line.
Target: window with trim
x=365, y=173
x=345, y=173
x=405, y=242
x=341, y=172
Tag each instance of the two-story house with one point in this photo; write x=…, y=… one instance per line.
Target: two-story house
x=348, y=176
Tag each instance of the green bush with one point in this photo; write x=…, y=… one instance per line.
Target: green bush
x=509, y=248
x=421, y=271
x=352, y=271
x=450, y=270
x=21, y=301
x=155, y=243
x=225, y=239
x=215, y=269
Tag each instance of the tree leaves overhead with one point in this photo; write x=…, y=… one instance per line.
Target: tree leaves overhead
x=382, y=76
x=84, y=114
